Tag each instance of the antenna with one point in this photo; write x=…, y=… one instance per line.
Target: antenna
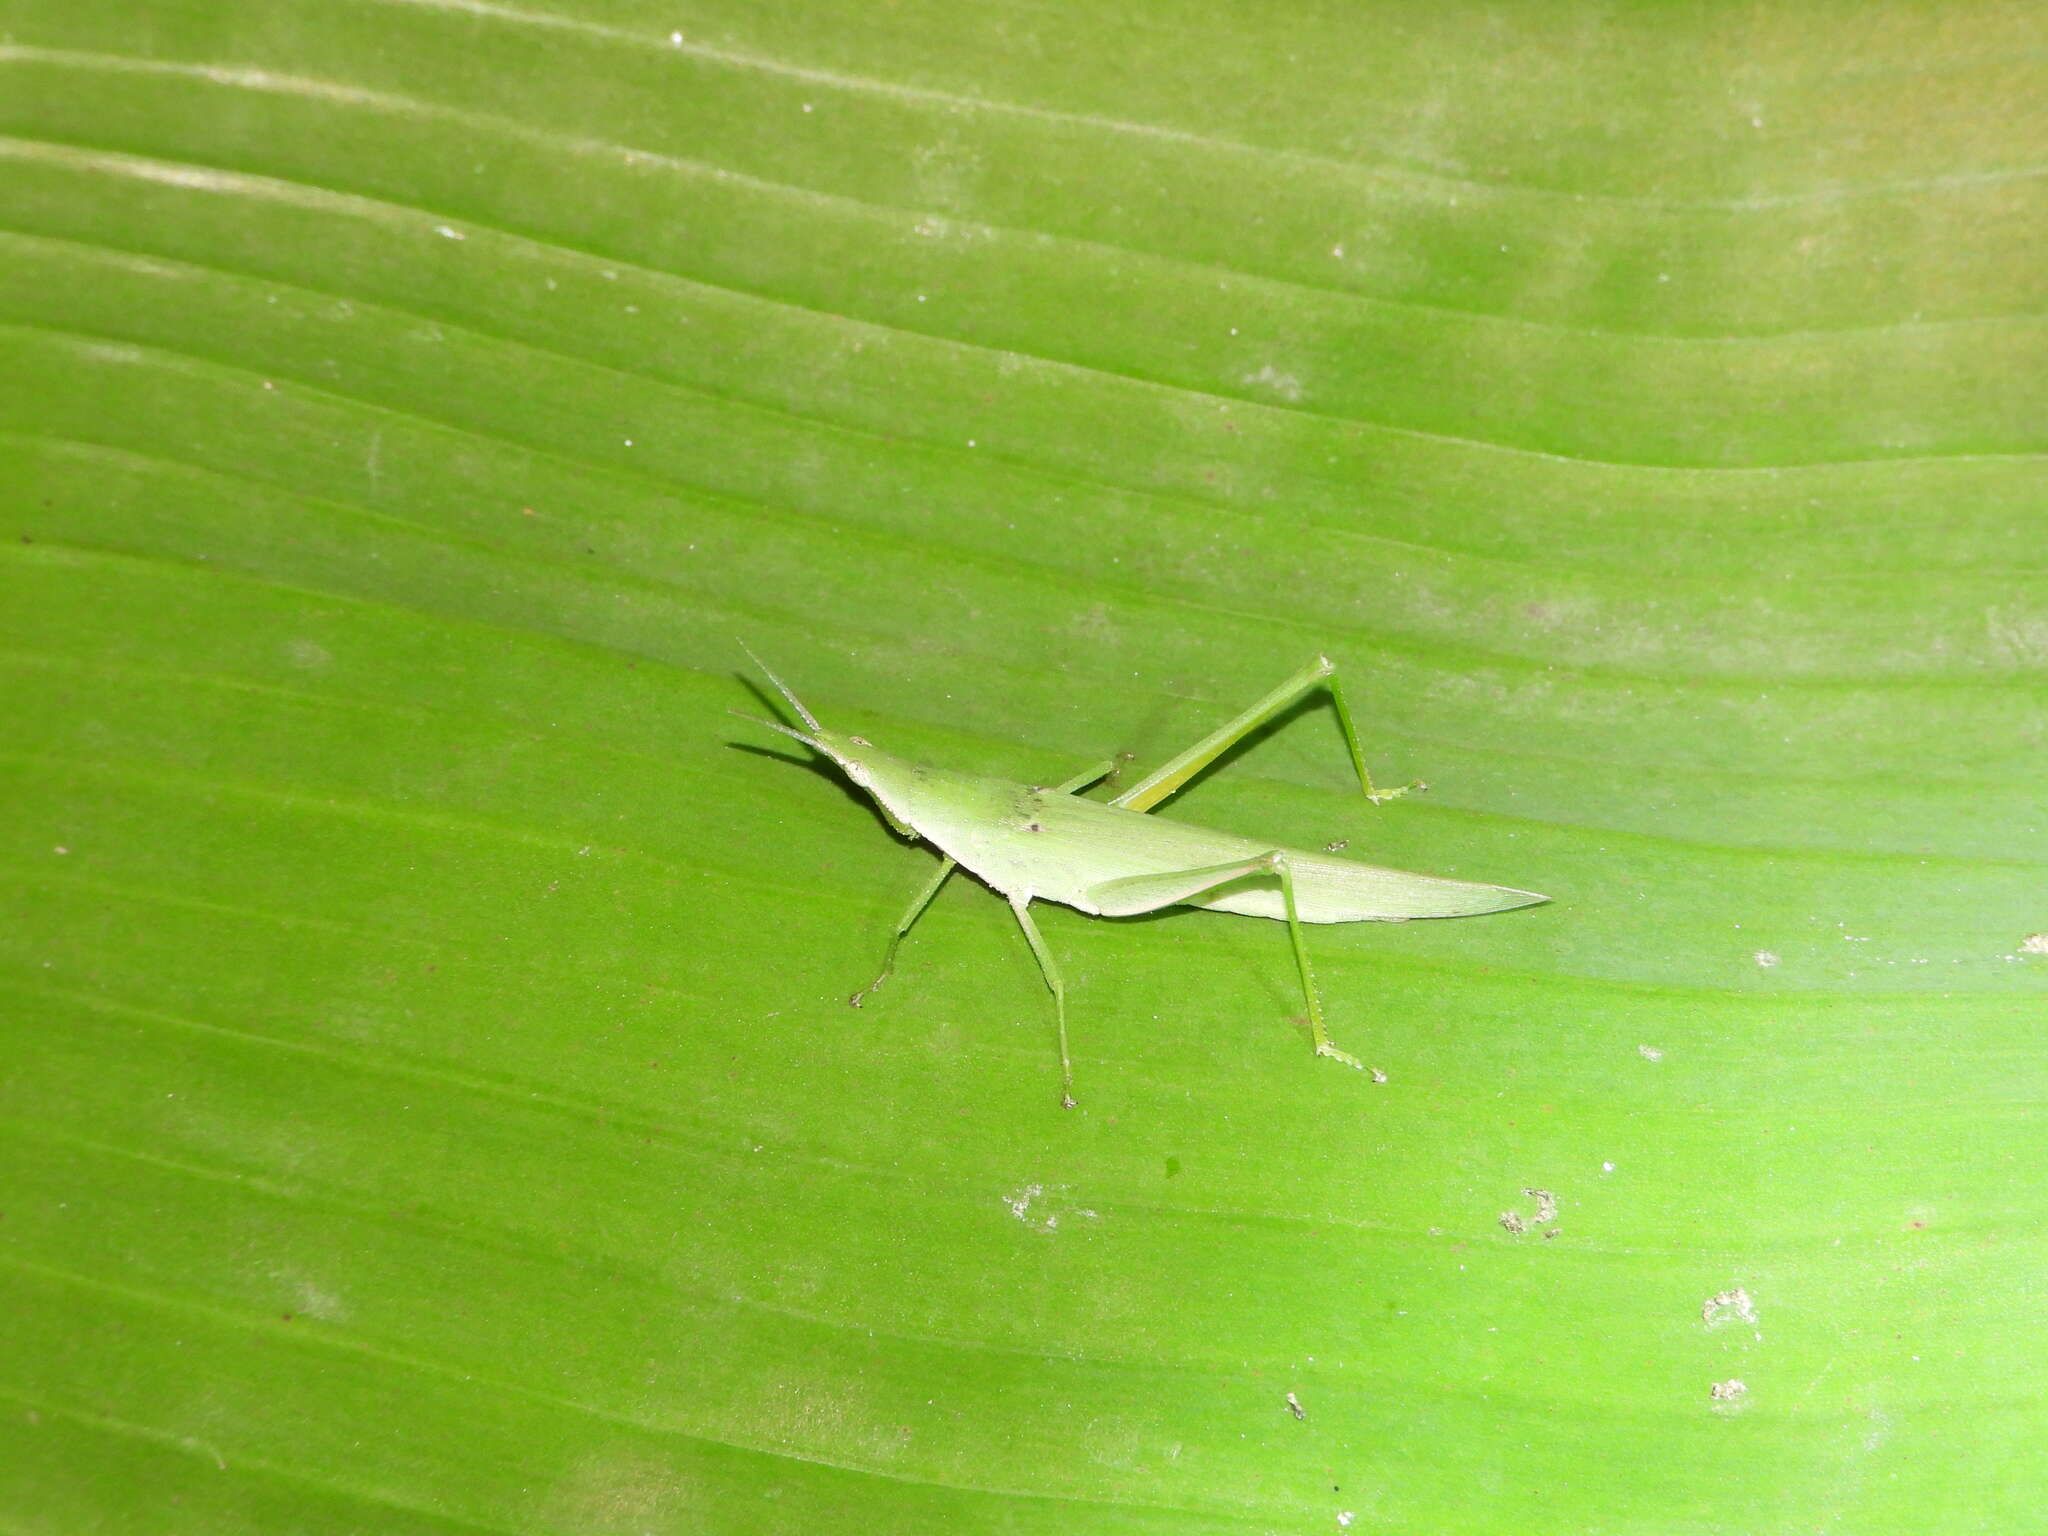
x=794, y=702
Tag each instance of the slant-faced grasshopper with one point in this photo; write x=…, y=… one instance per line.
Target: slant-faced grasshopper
x=1038, y=842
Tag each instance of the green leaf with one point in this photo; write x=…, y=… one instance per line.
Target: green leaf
x=430, y=1102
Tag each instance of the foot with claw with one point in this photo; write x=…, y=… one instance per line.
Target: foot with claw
x=1382, y=796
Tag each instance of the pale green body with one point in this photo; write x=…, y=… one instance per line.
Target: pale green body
x=1031, y=842
x=1034, y=843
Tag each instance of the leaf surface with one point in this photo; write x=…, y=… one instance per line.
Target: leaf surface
x=430, y=1102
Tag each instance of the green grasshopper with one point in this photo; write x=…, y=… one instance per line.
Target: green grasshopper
x=1034, y=842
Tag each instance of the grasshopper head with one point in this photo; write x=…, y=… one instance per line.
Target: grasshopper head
x=855, y=755
x=876, y=772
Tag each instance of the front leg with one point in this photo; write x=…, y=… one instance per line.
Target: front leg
x=917, y=905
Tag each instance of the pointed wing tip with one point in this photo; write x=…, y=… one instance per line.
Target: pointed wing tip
x=1500, y=898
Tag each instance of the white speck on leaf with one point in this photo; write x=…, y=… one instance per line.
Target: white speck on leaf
x=1732, y=1303
x=1285, y=385
x=1042, y=1209
x=1546, y=1214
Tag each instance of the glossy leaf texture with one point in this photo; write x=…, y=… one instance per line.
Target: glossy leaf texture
x=429, y=1100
